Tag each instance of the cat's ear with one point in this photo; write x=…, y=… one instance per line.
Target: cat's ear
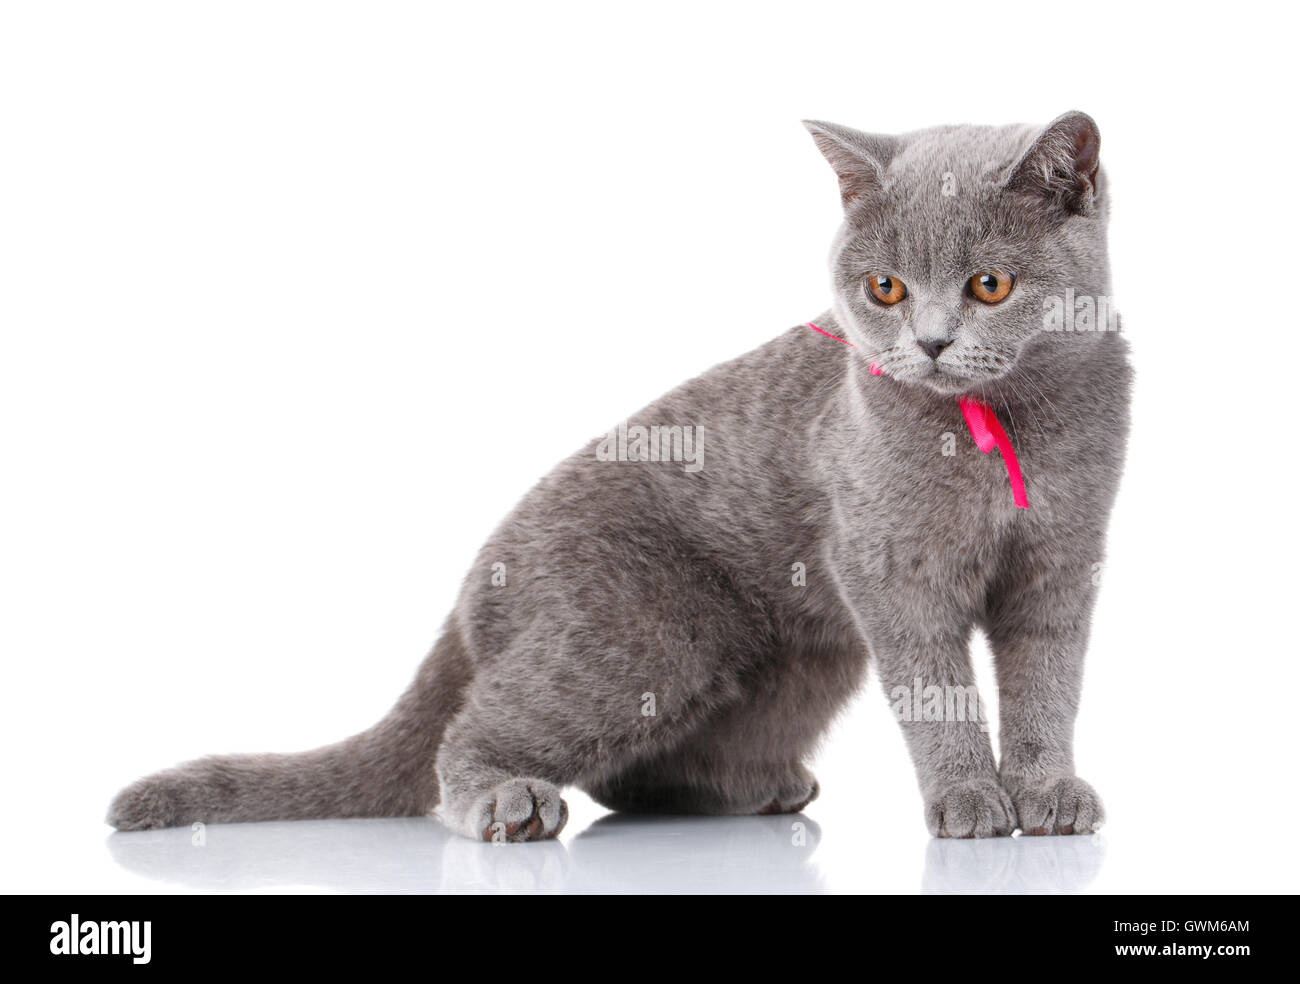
x=859, y=159
x=1062, y=164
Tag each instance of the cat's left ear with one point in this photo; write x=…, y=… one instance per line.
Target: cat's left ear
x=859, y=159
x=1062, y=165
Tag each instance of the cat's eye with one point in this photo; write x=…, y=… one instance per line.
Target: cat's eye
x=992, y=286
x=885, y=290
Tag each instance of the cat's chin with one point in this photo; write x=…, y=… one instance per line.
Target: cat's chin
x=949, y=384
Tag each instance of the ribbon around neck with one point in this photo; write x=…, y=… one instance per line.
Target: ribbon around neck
x=985, y=430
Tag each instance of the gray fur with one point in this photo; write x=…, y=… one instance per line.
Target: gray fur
x=631, y=582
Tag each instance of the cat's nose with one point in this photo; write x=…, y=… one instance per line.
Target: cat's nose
x=934, y=346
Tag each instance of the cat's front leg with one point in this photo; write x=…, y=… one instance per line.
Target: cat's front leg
x=1038, y=631
x=931, y=687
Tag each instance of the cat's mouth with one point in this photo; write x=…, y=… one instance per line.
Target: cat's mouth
x=963, y=368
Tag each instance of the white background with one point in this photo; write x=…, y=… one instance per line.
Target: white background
x=298, y=299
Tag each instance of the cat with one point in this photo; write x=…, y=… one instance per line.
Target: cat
x=677, y=639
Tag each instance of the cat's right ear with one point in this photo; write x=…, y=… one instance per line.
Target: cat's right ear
x=859, y=159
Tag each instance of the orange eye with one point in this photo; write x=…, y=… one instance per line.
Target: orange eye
x=885, y=290
x=992, y=286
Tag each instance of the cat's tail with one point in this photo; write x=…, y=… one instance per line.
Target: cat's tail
x=385, y=771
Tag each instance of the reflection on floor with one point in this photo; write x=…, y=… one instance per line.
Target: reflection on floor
x=1012, y=865
x=616, y=854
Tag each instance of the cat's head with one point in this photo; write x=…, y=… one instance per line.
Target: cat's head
x=962, y=244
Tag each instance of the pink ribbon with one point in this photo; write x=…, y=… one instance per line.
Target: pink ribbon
x=985, y=430
x=838, y=339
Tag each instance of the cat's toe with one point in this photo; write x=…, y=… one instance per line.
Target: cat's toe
x=521, y=810
x=974, y=808
x=1059, y=805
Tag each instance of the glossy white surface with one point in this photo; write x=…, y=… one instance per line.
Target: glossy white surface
x=613, y=855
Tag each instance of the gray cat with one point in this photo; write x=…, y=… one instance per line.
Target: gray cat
x=673, y=616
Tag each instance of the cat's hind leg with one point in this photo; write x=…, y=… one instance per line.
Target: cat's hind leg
x=498, y=775
x=523, y=734
x=748, y=757
x=577, y=678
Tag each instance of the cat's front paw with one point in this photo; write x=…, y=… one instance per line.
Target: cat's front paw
x=1056, y=805
x=973, y=808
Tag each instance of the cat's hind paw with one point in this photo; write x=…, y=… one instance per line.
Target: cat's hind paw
x=1059, y=805
x=793, y=798
x=520, y=810
x=974, y=808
